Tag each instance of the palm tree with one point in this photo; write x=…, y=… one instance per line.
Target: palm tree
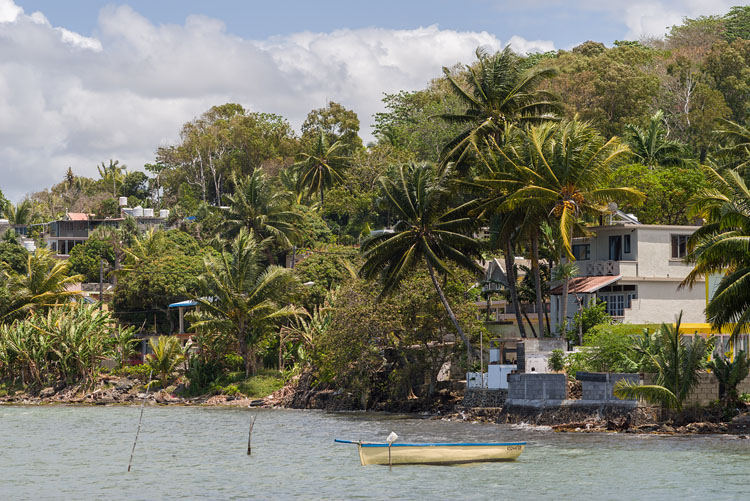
x=246, y=297
x=20, y=214
x=564, y=272
x=322, y=167
x=735, y=139
x=722, y=247
x=257, y=207
x=561, y=170
x=429, y=228
x=651, y=146
x=113, y=174
x=499, y=95
x=166, y=357
x=678, y=362
x=42, y=284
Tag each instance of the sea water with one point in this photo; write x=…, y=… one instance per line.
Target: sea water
x=58, y=452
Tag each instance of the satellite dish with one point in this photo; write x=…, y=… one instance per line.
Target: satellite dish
x=612, y=206
x=391, y=438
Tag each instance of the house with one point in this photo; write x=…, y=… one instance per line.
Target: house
x=496, y=310
x=637, y=270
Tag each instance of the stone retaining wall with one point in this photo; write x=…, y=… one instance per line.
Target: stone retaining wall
x=477, y=397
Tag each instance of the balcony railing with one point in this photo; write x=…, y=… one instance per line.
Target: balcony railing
x=601, y=268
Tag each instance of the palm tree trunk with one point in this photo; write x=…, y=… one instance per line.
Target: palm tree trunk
x=531, y=325
x=450, y=312
x=242, y=339
x=510, y=273
x=537, y=279
x=563, y=326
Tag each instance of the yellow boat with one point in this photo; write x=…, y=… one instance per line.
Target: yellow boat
x=438, y=453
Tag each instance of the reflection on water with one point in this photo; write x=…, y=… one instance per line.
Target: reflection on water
x=82, y=452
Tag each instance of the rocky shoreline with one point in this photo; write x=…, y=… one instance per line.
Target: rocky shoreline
x=444, y=404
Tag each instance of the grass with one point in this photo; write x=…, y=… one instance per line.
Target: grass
x=261, y=385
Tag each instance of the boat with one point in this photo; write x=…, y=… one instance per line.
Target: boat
x=435, y=453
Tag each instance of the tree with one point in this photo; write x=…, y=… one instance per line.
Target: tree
x=321, y=167
x=166, y=357
x=337, y=123
x=245, y=298
x=112, y=175
x=499, y=95
x=43, y=283
x=14, y=255
x=20, y=214
x=721, y=247
x=730, y=373
x=651, y=146
x=429, y=228
x=257, y=207
x=564, y=272
x=678, y=362
x=85, y=258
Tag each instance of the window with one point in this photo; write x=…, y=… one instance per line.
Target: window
x=615, y=304
x=582, y=252
x=626, y=244
x=679, y=246
x=615, y=248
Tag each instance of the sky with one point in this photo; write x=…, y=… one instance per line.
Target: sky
x=85, y=81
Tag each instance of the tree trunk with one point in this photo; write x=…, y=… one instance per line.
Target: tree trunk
x=510, y=273
x=537, y=280
x=450, y=313
x=533, y=331
x=242, y=338
x=563, y=326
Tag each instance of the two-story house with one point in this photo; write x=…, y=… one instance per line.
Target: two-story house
x=637, y=269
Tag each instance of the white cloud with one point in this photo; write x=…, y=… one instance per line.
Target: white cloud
x=70, y=100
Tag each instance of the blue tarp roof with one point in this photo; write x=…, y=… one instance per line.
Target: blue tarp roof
x=188, y=302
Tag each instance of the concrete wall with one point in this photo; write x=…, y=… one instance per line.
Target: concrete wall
x=599, y=386
x=530, y=347
x=537, y=387
x=661, y=302
x=707, y=390
x=655, y=251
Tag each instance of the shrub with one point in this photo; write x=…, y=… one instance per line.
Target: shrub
x=556, y=361
x=140, y=371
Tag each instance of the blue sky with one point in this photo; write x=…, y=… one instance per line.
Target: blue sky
x=566, y=23
x=85, y=81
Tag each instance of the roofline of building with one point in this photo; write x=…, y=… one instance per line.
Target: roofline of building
x=643, y=226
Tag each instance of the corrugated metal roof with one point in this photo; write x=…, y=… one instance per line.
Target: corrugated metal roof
x=77, y=216
x=586, y=285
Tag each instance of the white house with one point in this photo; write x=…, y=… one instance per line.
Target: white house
x=637, y=269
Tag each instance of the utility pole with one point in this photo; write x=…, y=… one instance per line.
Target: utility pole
x=101, y=282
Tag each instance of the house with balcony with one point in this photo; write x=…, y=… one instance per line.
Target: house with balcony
x=636, y=269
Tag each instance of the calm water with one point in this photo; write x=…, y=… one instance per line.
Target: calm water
x=82, y=453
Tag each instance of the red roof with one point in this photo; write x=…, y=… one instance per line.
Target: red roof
x=78, y=216
x=586, y=285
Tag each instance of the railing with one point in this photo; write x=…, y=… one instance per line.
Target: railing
x=601, y=268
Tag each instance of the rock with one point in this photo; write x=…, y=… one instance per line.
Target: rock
x=256, y=403
x=124, y=385
x=47, y=392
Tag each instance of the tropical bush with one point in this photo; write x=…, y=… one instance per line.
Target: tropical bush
x=730, y=374
x=66, y=343
x=166, y=357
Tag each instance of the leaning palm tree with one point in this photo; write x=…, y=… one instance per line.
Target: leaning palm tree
x=498, y=96
x=43, y=283
x=245, y=297
x=429, y=229
x=722, y=247
x=651, y=146
x=322, y=167
x=256, y=206
x=678, y=362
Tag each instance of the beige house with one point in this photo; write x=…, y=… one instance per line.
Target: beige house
x=637, y=269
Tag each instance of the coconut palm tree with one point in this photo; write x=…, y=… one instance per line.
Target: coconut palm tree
x=722, y=247
x=42, y=284
x=322, y=167
x=246, y=298
x=561, y=170
x=651, y=146
x=166, y=357
x=564, y=272
x=21, y=213
x=678, y=362
x=429, y=229
x=257, y=207
x=498, y=96
x=735, y=139
x=112, y=174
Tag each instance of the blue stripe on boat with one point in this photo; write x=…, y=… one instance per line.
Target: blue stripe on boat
x=429, y=444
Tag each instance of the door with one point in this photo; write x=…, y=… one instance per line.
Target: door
x=615, y=248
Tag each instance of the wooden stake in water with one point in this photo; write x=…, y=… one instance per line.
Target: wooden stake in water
x=148, y=387
x=250, y=435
